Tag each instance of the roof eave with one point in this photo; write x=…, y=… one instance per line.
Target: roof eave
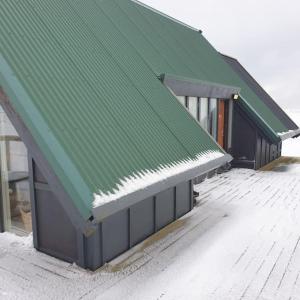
x=183, y=86
x=108, y=209
x=262, y=124
x=290, y=134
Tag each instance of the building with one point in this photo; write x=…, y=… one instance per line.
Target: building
x=89, y=97
x=265, y=149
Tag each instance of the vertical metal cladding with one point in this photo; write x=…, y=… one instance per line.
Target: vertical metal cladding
x=251, y=148
x=125, y=229
x=107, y=238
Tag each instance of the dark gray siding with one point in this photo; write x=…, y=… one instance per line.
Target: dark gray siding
x=243, y=140
x=55, y=235
x=182, y=206
x=260, y=92
x=142, y=220
x=115, y=235
x=251, y=149
x=120, y=232
x=53, y=230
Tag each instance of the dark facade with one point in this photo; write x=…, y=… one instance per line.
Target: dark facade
x=250, y=147
x=60, y=232
x=55, y=234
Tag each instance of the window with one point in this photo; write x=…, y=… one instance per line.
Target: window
x=213, y=117
x=14, y=179
x=193, y=107
x=203, y=108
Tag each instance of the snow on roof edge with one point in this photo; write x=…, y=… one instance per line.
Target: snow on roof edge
x=147, y=178
x=289, y=134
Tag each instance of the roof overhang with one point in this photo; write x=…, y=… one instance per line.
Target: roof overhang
x=290, y=134
x=106, y=210
x=182, y=86
x=261, y=123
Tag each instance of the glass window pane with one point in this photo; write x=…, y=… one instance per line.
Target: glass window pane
x=230, y=117
x=193, y=106
x=14, y=179
x=181, y=99
x=213, y=115
x=203, y=112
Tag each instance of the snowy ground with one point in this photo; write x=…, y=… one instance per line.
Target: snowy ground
x=242, y=241
x=291, y=147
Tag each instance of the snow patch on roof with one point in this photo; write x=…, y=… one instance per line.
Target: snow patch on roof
x=283, y=133
x=147, y=178
x=288, y=134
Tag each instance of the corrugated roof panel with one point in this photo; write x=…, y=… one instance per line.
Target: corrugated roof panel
x=199, y=58
x=97, y=97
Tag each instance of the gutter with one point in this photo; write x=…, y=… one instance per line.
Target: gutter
x=290, y=134
x=110, y=208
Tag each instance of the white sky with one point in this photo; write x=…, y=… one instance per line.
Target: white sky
x=263, y=34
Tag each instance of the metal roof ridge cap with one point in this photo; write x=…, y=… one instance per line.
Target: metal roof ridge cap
x=166, y=15
x=231, y=57
x=103, y=211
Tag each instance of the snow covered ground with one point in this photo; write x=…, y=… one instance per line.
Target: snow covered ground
x=242, y=241
x=291, y=147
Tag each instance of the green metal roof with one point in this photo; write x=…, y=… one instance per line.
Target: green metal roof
x=167, y=46
x=82, y=75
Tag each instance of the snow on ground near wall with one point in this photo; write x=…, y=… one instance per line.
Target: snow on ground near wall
x=147, y=178
x=242, y=241
x=291, y=147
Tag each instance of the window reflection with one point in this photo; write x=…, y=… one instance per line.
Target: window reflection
x=193, y=106
x=14, y=179
x=213, y=114
x=204, y=112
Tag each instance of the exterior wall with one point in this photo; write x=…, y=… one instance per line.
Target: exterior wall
x=120, y=232
x=266, y=152
x=53, y=231
x=243, y=147
x=55, y=235
x=250, y=148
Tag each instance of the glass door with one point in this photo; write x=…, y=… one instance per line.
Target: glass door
x=15, y=196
